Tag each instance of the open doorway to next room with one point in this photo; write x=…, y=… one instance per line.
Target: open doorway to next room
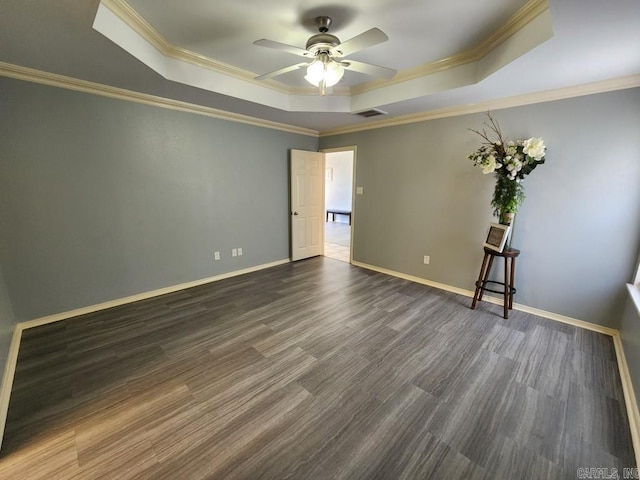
x=338, y=204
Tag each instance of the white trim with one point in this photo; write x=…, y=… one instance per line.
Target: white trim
x=634, y=292
x=412, y=278
x=594, y=327
x=45, y=78
x=143, y=296
x=633, y=413
x=497, y=301
x=124, y=11
x=69, y=83
x=518, y=21
x=622, y=83
x=129, y=16
x=525, y=15
x=528, y=27
x=7, y=378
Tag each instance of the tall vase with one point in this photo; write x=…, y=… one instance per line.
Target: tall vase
x=508, y=218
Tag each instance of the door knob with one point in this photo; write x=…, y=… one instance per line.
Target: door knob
x=295, y=213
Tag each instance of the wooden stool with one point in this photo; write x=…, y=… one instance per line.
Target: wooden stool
x=509, y=256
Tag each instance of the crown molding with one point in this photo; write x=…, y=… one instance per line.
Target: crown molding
x=133, y=19
x=46, y=78
x=69, y=83
x=128, y=15
x=525, y=15
x=621, y=83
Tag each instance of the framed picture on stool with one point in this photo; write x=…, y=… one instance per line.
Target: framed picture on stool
x=497, y=236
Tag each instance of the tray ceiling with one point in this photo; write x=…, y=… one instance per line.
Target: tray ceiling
x=434, y=48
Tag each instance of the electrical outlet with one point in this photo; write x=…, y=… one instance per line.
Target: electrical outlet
x=426, y=259
x=239, y=251
x=234, y=252
x=216, y=255
x=359, y=190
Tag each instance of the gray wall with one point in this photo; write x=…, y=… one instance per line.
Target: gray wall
x=7, y=323
x=101, y=198
x=578, y=229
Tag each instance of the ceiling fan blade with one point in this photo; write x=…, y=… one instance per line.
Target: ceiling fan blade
x=282, y=46
x=282, y=71
x=369, y=69
x=366, y=39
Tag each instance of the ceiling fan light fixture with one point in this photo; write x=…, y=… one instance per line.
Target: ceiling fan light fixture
x=315, y=73
x=333, y=73
x=324, y=68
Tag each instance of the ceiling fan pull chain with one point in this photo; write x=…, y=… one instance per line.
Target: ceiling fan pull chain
x=324, y=74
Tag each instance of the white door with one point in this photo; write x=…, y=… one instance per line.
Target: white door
x=307, y=204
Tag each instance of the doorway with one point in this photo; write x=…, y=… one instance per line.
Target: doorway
x=339, y=214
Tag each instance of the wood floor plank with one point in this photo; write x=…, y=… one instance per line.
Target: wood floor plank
x=313, y=370
x=45, y=456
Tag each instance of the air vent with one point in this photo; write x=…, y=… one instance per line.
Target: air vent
x=372, y=112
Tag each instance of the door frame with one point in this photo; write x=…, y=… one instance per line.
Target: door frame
x=354, y=149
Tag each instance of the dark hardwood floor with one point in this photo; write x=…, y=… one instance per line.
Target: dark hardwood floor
x=313, y=370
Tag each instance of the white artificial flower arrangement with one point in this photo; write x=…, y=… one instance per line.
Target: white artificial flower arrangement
x=510, y=162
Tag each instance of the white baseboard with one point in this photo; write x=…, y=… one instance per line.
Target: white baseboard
x=633, y=412
x=7, y=378
x=497, y=301
x=145, y=295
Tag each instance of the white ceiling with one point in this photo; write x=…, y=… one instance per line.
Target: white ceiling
x=572, y=42
x=419, y=32
x=212, y=48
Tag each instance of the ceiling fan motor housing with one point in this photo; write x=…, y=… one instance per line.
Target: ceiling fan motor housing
x=322, y=42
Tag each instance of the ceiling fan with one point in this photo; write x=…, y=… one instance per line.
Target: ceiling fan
x=326, y=51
